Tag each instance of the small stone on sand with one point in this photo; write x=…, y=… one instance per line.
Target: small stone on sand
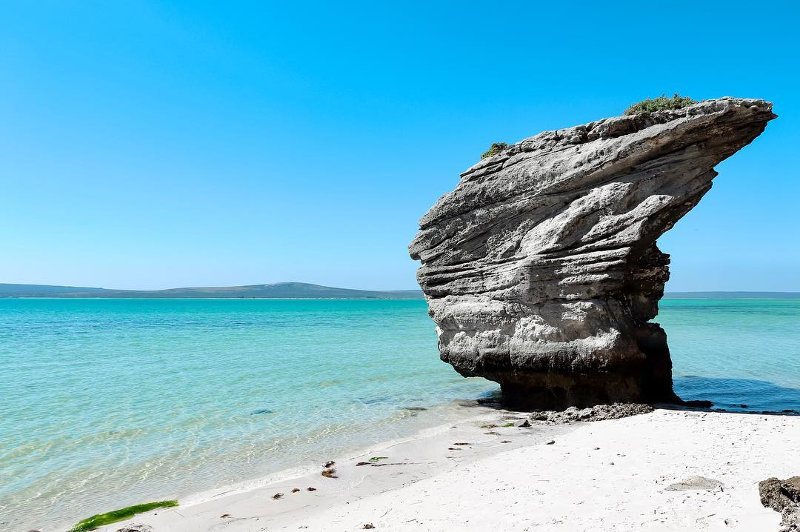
x=695, y=483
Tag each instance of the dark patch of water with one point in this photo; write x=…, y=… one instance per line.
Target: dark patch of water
x=739, y=395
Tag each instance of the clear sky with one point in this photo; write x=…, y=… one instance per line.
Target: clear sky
x=161, y=144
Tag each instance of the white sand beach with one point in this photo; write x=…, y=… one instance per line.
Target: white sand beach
x=622, y=474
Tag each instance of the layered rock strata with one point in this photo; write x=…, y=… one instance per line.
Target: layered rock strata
x=541, y=268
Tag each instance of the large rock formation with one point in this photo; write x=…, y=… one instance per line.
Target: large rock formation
x=541, y=268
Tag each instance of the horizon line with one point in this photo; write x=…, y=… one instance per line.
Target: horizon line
x=316, y=285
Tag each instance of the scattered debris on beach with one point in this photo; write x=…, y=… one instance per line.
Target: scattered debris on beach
x=394, y=464
x=328, y=471
x=593, y=413
x=133, y=527
x=373, y=461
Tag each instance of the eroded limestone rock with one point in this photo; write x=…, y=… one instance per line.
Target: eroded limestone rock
x=541, y=268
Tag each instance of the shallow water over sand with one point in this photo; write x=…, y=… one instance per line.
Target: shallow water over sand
x=113, y=402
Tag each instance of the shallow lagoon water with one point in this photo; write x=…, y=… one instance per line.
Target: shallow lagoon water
x=107, y=403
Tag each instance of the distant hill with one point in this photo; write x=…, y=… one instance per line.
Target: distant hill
x=260, y=291
x=43, y=290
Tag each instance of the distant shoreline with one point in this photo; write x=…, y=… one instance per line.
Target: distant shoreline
x=294, y=290
x=188, y=298
x=671, y=297
x=289, y=290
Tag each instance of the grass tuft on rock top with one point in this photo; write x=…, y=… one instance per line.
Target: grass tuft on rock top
x=99, y=520
x=662, y=103
x=494, y=149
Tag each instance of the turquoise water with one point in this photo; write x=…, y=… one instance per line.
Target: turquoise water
x=107, y=403
x=735, y=351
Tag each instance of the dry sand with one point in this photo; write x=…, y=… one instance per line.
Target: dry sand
x=622, y=474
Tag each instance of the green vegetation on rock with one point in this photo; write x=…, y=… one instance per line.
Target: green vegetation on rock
x=494, y=149
x=662, y=103
x=99, y=520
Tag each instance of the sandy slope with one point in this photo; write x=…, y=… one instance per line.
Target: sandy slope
x=607, y=475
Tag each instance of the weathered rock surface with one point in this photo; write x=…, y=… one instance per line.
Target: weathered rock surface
x=541, y=268
x=782, y=496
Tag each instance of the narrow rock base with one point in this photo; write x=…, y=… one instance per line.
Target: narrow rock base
x=553, y=391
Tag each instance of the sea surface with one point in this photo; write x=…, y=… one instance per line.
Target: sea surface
x=110, y=402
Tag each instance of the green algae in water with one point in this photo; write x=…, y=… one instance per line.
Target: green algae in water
x=99, y=520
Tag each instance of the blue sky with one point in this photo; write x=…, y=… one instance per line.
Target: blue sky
x=152, y=144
